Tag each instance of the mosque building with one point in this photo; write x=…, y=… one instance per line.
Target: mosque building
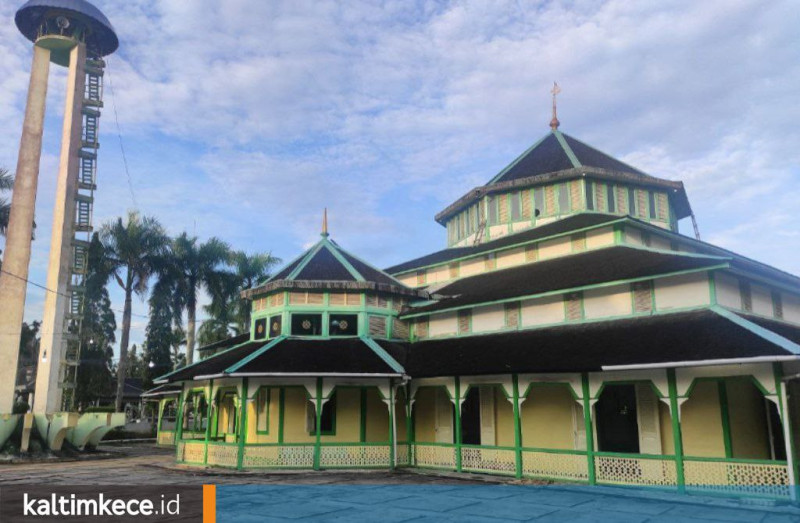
x=567, y=332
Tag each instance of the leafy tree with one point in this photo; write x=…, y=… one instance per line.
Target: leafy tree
x=159, y=333
x=28, y=353
x=191, y=267
x=177, y=340
x=98, y=329
x=133, y=249
x=6, y=184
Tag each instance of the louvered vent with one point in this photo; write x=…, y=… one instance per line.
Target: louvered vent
x=421, y=328
x=643, y=297
x=453, y=269
x=549, y=200
x=777, y=305
x=641, y=203
x=532, y=252
x=600, y=197
x=372, y=300
x=464, y=320
x=747, y=296
x=575, y=194
x=383, y=303
x=337, y=298
x=526, y=205
x=663, y=206
x=502, y=203
x=397, y=304
x=377, y=326
x=399, y=329
x=622, y=200
x=490, y=262
x=512, y=315
x=579, y=242
x=573, y=306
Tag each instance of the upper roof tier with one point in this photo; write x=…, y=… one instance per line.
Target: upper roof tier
x=327, y=266
x=100, y=38
x=557, y=157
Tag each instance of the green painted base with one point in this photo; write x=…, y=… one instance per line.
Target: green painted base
x=117, y=419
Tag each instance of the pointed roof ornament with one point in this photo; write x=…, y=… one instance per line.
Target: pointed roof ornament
x=554, y=123
x=325, y=223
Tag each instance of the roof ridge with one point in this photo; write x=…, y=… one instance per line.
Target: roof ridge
x=567, y=149
x=382, y=354
x=626, y=164
x=758, y=330
x=254, y=355
x=160, y=379
x=308, y=257
x=519, y=158
x=334, y=250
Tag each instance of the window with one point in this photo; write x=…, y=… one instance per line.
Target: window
x=652, y=204
x=492, y=211
x=631, y=202
x=589, y=196
x=306, y=324
x=262, y=410
x=563, y=198
x=168, y=416
x=260, y=330
x=343, y=325
x=538, y=201
x=275, y=326
x=611, y=200
x=195, y=416
x=327, y=425
x=516, y=211
x=226, y=413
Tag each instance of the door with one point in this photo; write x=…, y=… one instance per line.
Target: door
x=649, y=424
x=444, y=417
x=487, y=416
x=579, y=427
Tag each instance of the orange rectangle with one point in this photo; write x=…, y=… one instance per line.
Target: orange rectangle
x=209, y=503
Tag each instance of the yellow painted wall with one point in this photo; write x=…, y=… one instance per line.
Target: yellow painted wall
x=547, y=418
x=607, y=301
x=504, y=419
x=400, y=416
x=686, y=290
x=377, y=417
x=665, y=421
x=294, y=416
x=541, y=311
x=701, y=422
x=274, y=416
x=425, y=414
x=599, y=237
x=554, y=248
x=748, y=419
x=348, y=417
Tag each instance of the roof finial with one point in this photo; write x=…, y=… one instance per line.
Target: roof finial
x=325, y=222
x=554, y=123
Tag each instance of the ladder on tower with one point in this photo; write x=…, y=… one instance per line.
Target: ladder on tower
x=81, y=232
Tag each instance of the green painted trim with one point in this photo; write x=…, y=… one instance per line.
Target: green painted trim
x=309, y=256
x=391, y=424
x=734, y=460
x=209, y=423
x=318, y=409
x=567, y=149
x=677, y=437
x=244, y=421
x=555, y=451
x=267, y=404
x=517, y=427
x=382, y=354
x=458, y=422
x=712, y=288
x=281, y=409
x=587, y=421
x=347, y=265
x=568, y=290
x=768, y=335
x=179, y=423
x=363, y=419
x=722, y=392
x=241, y=363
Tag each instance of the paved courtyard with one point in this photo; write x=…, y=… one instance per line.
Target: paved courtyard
x=391, y=497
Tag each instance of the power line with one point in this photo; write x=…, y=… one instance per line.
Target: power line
x=119, y=135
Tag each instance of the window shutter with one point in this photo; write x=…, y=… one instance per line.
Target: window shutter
x=464, y=320
x=622, y=200
x=421, y=328
x=777, y=305
x=526, y=205
x=573, y=306
x=662, y=204
x=747, y=296
x=532, y=252
x=502, y=201
x=642, y=297
x=377, y=326
x=600, y=197
x=575, y=194
x=512, y=315
x=487, y=415
x=549, y=200
x=579, y=427
x=399, y=329
x=648, y=419
x=641, y=203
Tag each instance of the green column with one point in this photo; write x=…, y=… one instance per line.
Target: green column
x=179, y=423
x=786, y=423
x=587, y=421
x=318, y=443
x=391, y=424
x=517, y=426
x=209, y=409
x=409, y=426
x=242, y=424
x=458, y=423
x=676, y=427
x=726, y=419
x=160, y=415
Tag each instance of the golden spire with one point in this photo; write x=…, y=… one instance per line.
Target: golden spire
x=554, y=123
x=325, y=222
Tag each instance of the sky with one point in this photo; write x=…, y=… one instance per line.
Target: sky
x=243, y=119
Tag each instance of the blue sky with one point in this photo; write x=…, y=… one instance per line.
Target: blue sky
x=242, y=119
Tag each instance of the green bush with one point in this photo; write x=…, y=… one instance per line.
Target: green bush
x=20, y=407
x=100, y=409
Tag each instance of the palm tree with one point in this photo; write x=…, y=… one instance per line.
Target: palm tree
x=194, y=266
x=133, y=249
x=6, y=184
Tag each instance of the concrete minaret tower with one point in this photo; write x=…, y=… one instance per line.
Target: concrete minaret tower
x=73, y=34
